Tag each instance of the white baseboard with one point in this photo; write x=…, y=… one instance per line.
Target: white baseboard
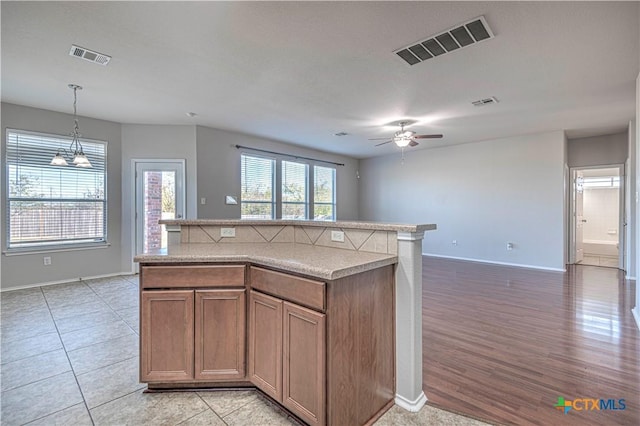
x=412, y=406
x=492, y=262
x=629, y=277
x=636, y=315
x=70, y=280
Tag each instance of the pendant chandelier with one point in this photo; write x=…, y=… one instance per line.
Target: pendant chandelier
x=79, y=157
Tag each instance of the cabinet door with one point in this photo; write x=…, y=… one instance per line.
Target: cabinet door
x=265, y=344
x=304, y=363
x=220, y=334
x=166, y=337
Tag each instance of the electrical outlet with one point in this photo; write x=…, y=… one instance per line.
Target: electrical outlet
x=46, y=260
x=203, y=201
x=454, y=242
x=228, y=232
x=337, y=236
x=509, y=246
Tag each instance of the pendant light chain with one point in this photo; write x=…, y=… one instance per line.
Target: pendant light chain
x=75, y=149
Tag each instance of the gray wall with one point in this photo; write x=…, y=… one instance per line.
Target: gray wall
x=142, y=142
x=28, y=269
x=483, y=195
x=609, y=150
x=599, y=150
x=219, y=172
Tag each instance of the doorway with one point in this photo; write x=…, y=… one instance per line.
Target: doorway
x=159, y=194
x=597, y=216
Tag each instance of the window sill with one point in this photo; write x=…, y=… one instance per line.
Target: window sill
x=51, y=249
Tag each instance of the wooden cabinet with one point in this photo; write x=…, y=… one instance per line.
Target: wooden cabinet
x=220, y=335
x=337, y=344
x=194, y=335
x=287, y=355
x=303, y=363
x=322, y=350
x=166, y=352
x=265, y=344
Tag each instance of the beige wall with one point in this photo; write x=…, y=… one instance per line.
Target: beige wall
x=28, y=269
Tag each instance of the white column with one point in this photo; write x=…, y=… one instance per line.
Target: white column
x=173, y=235
x=409, y=393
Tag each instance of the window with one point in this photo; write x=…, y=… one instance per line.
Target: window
x=295, y=201
x=293, y=192
x=257, y=200
x=324, y=193
x=54, y=206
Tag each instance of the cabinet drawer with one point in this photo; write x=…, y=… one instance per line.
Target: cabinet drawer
x=192, y=276
x=299, y=290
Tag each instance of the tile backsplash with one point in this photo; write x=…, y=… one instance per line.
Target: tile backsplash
x=354, y=239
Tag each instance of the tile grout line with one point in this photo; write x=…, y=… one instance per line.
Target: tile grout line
x=230, y=412
x=208, y=408
x=55, y=412
x=75, y=377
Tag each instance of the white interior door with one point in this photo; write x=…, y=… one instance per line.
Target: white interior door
x=159, y=194
x=579, y=220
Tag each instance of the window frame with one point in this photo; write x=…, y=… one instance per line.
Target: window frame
x=273, y=201
x=53, y=245
x=333, y=202
x=307, y=190
x=277, y=185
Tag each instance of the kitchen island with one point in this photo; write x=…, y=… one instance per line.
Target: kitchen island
x=304, y=311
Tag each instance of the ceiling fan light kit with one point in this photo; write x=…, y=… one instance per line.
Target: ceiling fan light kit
x=403, y=138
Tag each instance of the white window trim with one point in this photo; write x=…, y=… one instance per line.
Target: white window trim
x=53, y=247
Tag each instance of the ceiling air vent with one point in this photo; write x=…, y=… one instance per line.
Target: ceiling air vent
x=486, y=101
x=89, y=55
x=460, y=36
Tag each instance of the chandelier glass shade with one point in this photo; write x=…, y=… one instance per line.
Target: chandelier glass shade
x=78, y=156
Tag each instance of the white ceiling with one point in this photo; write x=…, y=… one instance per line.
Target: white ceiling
x=301, y=71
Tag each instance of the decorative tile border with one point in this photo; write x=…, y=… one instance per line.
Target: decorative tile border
x=366, y=240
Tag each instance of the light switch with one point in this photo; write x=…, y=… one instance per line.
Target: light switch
x=203, y=201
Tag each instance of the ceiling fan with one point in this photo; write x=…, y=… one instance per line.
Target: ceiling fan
x=404, y=138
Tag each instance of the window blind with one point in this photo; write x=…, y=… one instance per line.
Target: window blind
x=257, y=198
x=54, y=205
x=324, y=194
x=295, y=201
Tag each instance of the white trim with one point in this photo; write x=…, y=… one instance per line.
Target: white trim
x=410, y=236
x=636, y=315
x=412, y=406
x=628, y=277
x=69, y=280
x=55, y=249
x=134, y=203
x=493, y=262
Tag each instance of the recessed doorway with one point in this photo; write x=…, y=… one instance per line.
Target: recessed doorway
x=597, y=216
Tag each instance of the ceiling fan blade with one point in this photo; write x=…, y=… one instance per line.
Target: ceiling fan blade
x=379, y=139
x=427, y=136
x=413, y=143
x=384, y=143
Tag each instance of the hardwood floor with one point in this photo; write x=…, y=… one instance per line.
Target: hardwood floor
x=502, y=344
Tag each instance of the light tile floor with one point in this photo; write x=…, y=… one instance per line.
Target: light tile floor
x=69, y=356
x=594, y=260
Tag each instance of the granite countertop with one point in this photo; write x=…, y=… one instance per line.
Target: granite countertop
x=319, y=262
x=378, y=226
